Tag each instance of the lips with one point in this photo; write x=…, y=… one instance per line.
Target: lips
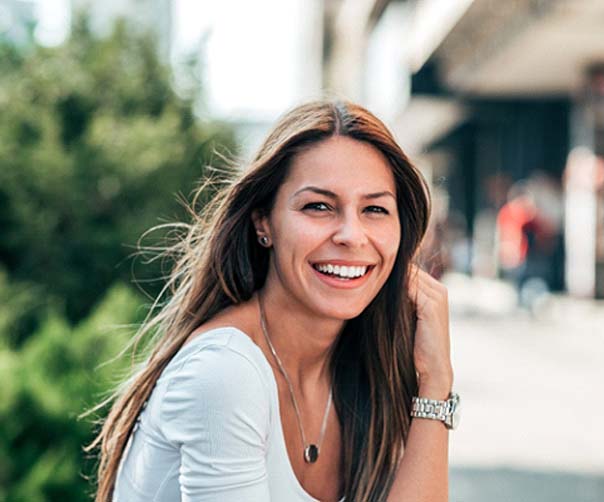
x=342, y=274
x=342, y=271
x=342, y=282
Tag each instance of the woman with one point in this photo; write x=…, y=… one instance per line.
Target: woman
x=297, y=335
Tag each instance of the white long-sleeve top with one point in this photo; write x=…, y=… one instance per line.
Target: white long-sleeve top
x=211, y=430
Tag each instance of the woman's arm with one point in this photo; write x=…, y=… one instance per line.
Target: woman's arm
x=216, y=411
x=423, y=471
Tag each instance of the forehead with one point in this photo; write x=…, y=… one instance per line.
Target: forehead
x=342, y=163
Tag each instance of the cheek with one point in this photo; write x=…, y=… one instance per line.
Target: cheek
x=299, y=233
x=388, y=241
x=295, y=238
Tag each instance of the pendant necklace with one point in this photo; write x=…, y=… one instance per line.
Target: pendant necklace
x=311, y=451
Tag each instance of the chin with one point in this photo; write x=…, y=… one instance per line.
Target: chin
x=344, y=312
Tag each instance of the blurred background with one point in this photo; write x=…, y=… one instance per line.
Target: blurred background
x=111, y=110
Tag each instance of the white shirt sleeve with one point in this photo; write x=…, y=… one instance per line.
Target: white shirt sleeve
x=216, y=410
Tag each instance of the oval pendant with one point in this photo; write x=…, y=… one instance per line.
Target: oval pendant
x=311, y=453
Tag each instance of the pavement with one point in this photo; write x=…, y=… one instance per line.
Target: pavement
x=532, y=389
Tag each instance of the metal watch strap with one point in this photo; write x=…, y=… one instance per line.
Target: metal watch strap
x=434, y=409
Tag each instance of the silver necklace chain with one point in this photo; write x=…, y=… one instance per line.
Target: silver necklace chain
x=311, y=451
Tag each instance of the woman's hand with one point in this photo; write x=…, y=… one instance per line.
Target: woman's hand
x=432, y=350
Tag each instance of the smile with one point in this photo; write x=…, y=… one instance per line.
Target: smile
x=340, y=276
x=342, y=271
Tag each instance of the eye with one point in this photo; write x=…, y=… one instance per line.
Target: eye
x=317, y=206
x=377, y=209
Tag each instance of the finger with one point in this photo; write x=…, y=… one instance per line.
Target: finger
x=413, y=286
x=428, y=302
x=422, y=303
x=421, y=280
x=420, y=290
x=417, y=290
x=432, y=286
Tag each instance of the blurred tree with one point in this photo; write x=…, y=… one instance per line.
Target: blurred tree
x=94, y=148
x=18, y=299
x=46, y=384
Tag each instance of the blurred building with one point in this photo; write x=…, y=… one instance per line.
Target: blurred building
x=494, y=99
x=17, y=22
x=523, y=74
x=153, y=16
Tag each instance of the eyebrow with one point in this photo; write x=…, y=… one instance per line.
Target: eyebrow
x=332, y=195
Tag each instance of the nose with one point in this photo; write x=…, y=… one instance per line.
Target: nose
x=350, y=231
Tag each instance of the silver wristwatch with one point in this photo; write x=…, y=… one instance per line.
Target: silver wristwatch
x=447, y=411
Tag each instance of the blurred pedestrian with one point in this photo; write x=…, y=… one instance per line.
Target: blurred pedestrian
x=512, y=221
x=527, y=241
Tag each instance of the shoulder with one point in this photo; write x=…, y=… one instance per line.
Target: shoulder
x=217, y=376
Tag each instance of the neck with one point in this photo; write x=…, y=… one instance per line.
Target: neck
x=302, y=341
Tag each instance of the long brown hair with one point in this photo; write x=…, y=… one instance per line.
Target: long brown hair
x=219, y=263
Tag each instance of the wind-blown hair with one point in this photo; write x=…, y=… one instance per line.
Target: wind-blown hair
x=219, y=263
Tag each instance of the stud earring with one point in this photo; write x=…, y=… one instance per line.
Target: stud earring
x=263, y=240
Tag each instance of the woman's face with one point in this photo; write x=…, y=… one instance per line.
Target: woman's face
x=334, y=228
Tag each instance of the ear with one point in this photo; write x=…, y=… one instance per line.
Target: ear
x=260, y=220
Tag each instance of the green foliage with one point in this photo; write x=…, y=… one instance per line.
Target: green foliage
x=17, y=300
x=95, y=148
x=50, y=380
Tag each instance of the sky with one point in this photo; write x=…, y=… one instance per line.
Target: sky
x=251, y=62
x=53, y=21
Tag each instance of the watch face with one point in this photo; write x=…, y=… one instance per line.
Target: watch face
x=456, y=411
x=455, y=419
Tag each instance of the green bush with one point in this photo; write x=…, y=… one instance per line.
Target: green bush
x=95, y=148
x=58, y=373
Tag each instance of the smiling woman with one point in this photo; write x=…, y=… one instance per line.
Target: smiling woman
x=336, y=207
x=295, y=291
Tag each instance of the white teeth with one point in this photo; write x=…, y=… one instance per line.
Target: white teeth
x=342, y=271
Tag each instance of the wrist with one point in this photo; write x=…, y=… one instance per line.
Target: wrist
x=433, y=392
x=435, y=387
x=443, y=410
